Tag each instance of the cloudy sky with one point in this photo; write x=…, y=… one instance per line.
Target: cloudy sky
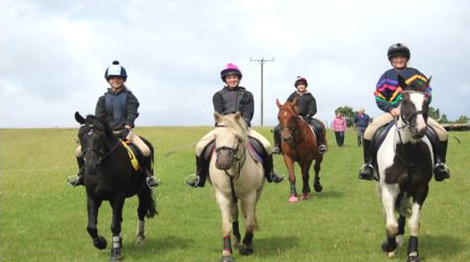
x=54, y=54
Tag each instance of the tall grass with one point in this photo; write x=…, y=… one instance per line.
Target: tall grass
x=43, y=219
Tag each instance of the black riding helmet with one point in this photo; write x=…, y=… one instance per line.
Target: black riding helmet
x=398, y=49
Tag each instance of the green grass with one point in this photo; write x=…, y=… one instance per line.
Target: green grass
x=43, y=219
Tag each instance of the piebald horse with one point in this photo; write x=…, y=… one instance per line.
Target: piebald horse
x=405, y=166
x=237, y=177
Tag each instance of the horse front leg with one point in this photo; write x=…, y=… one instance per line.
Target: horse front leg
x=116, y=250
x=249, y=212
x=93, y=206
x=414, y=223
x=305, y=168
x=235, y=226
x=389, y=195
x=225, y=205
x=317, y=167
x=290, y=168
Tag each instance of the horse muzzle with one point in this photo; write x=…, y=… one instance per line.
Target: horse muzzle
x=225, y=157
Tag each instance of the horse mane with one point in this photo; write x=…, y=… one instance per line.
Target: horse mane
x=101, y=123
x=235, y=124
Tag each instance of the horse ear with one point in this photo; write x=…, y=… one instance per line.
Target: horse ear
x=237, y=116
x=402, y=82
x=429, y=80
x=79, y=118
x=217, y=117
x=278, y=103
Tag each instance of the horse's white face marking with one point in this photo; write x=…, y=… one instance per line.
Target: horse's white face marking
x=418, y=101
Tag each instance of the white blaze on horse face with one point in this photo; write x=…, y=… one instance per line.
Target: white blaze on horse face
x=418, y=101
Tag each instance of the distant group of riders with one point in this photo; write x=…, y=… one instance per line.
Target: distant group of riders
x=122, y=107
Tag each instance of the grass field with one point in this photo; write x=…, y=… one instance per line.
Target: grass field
x=42, y=219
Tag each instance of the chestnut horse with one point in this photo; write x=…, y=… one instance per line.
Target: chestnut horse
x=299, y=144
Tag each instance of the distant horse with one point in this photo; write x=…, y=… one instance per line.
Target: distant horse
x=236, y=176
x=405, y=166
x=109, y=175
x=299, y=144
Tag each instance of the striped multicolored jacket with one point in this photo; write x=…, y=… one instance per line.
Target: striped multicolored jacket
x=388, y=93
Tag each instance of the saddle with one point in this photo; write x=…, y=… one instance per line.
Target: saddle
x=382, y=132
x=135, y=155
x=255, y=147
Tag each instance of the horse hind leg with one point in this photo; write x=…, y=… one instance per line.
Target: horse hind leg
x=146, y=208
x=305, y=179
x=316, y=182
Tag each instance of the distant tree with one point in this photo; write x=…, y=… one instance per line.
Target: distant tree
x=348, y=113
x=462, y=120
x=434, y=113
x=443, y=119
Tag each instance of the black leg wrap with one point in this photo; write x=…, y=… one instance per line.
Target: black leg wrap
x=401, y=225
x=413, y=245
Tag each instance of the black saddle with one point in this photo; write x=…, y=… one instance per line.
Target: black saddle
x=382, y=132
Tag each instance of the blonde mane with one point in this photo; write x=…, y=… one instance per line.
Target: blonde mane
x=235, y=123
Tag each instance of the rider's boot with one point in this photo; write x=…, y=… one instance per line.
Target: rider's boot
x=269, y=173
x=321, y=141
x=78, y=180
x=441, y=171
x=367, y=170
x=277, y=141
x=147, y=163
x=198, y=179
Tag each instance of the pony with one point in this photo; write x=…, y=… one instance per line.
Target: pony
x=404, y=167
x=110, y=176
x=299, y=144
x=237, y=177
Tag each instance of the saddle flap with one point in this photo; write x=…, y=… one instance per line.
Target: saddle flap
x=134, y=154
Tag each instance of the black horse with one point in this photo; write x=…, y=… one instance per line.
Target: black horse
x=109, y=175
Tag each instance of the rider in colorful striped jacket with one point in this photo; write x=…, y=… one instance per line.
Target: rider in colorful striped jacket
x=388, y=95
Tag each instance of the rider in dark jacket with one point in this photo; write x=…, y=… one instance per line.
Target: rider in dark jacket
x=307, y=108
x=122, y=106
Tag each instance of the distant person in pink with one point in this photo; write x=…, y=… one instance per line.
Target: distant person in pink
x=339, y=127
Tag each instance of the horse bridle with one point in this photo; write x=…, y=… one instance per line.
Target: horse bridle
x=292, y=129
x=407, y=121
x=240, y=159
x=102, y=153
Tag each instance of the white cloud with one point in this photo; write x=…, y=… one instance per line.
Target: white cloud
x=54, y=54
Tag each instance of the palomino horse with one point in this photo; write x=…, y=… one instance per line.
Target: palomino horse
x=235, y=176
x=299, y=144
x=405, y=165
x=109, y=175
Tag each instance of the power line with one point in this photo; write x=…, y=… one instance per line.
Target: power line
x=261, y=62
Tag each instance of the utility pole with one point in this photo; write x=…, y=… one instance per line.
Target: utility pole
x=261, y=62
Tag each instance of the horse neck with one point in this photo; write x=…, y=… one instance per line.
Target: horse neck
x=303, y=127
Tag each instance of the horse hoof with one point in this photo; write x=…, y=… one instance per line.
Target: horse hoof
x=413, y=259
x=305, y=196
x=318, y=188
x=245, y=251
x=100, y=243
x=293, y=199
x=227, y=258
x=391, y=254
x=115, y=254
